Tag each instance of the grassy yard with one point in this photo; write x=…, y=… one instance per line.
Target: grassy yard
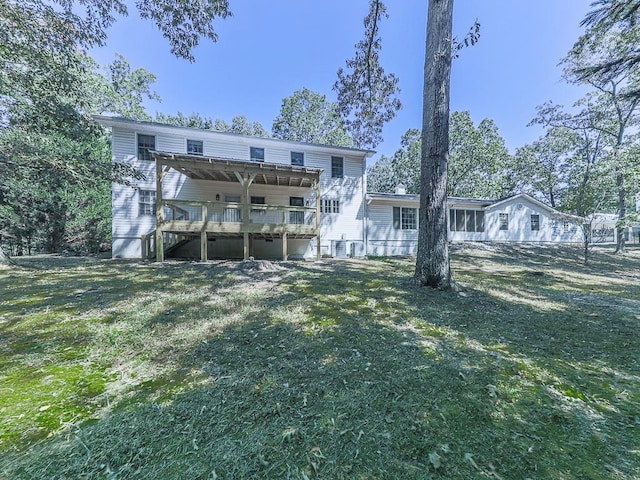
x=119, y=370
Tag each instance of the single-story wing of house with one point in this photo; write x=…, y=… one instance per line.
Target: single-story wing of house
x=393, y=222
x=207, y=194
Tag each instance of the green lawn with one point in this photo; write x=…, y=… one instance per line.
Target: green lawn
x=118, y=370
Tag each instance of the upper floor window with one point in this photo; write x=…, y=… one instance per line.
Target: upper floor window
x=146, y=143
x=405, y=218
x=146, y=202
x=535, y=222
x=257, y=154
x=337, y=167
x=329, y=206
x=504, y=221
x=297, y=158
x=195, y=147
x=466, y=220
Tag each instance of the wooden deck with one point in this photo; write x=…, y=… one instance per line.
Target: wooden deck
x=233, y=219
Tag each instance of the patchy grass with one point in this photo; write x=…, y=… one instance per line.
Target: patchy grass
x=120, y=370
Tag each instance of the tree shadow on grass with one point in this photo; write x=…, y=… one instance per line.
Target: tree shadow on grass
x=321, y=380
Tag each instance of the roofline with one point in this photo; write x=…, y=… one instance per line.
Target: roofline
x=110, y=121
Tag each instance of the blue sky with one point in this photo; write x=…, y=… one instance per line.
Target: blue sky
x=269, y=49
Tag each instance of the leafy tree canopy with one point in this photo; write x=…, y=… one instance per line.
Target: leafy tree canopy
x=307, y=116
x=479, y=162
x=239, y=124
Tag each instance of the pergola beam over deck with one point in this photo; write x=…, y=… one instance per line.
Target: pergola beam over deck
x=231, y=170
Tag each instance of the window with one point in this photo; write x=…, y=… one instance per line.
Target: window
x=504, y=221
x=566, y=226
x=405, y=218
x=232, y=214
x=146, y=202
x=297, y=158
x=258, y=201
x=296, y=217
x=194, y=147
x=257, y=154
x=466, y=221
x=535, y=223
x=329, y=206
x=337, y=167
x=146, y=143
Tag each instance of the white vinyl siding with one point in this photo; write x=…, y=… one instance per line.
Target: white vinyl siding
x=348, y=190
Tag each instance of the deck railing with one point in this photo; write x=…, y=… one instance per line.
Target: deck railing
x=177, y=211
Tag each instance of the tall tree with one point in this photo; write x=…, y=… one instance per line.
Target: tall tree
x=43, y=103
x=307, y=116
x=433, y=267
x=367, y=96
x=614, y=107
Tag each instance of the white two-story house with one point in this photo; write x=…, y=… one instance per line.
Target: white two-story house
x=208, y=194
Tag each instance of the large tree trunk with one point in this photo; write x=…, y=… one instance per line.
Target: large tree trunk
x=432, y=264
x=4, y=260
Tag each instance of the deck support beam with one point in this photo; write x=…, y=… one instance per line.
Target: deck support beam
x=245, y=182
x=318, y=200
x=159, y=212
x=285, y=251
x=204, y=243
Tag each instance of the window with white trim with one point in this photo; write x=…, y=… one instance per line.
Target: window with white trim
x=405, y=218
x=256, y=154
x=466, y=220
x=296, y=217
x=504, y=221
x=146, y=143
x=258, y=201
x=146, y=202
x=297, y=158
x=329, y=206
x=535, y=222
x=337, y=167
x=195, y=147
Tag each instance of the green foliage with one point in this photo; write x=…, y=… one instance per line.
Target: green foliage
x=49, y=144
x=403, y=168
x=239, y=124
x=121, y=90
x=194, y=120
x=242, y=126
x=479, y=164
x=307, y=116
x=366, y=94
x=622, y=19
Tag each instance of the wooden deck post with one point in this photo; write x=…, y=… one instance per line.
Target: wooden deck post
x=245, y=182
x=204, y=253
x=285, y=252
x=159, y=212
